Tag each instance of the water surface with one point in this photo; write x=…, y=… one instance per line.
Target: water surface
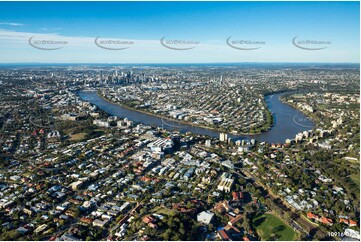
x=288, y=121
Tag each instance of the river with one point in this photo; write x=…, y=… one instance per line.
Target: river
x=288, y=121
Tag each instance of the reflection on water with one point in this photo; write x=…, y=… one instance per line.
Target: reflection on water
x=287, y=120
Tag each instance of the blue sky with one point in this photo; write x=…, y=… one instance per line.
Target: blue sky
x=209, y=24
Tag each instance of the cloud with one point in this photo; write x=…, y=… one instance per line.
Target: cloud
x=50, y=29
x=11, y=24
x=13, y=37
x=81, y=49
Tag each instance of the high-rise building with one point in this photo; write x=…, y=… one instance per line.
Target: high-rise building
x=223, y=137
x=208, y=143
x=143, y=77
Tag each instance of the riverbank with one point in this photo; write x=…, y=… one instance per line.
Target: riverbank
x=179, y=121
x=283, y=127
x=309, y=115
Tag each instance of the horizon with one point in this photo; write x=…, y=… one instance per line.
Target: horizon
x=171, y=63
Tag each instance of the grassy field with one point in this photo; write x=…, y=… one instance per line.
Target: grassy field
x=270, y=227
x=164, y=211
x=78, y=136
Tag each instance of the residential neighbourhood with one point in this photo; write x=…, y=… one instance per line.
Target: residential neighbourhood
x=72, y=171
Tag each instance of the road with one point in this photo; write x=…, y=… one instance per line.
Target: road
x=305, y=225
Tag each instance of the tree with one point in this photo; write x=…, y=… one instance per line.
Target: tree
x=11, y=235
x=175, y=237
x=167, y=234
x=245, y=224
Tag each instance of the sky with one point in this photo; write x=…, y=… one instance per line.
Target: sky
x=179, y=32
